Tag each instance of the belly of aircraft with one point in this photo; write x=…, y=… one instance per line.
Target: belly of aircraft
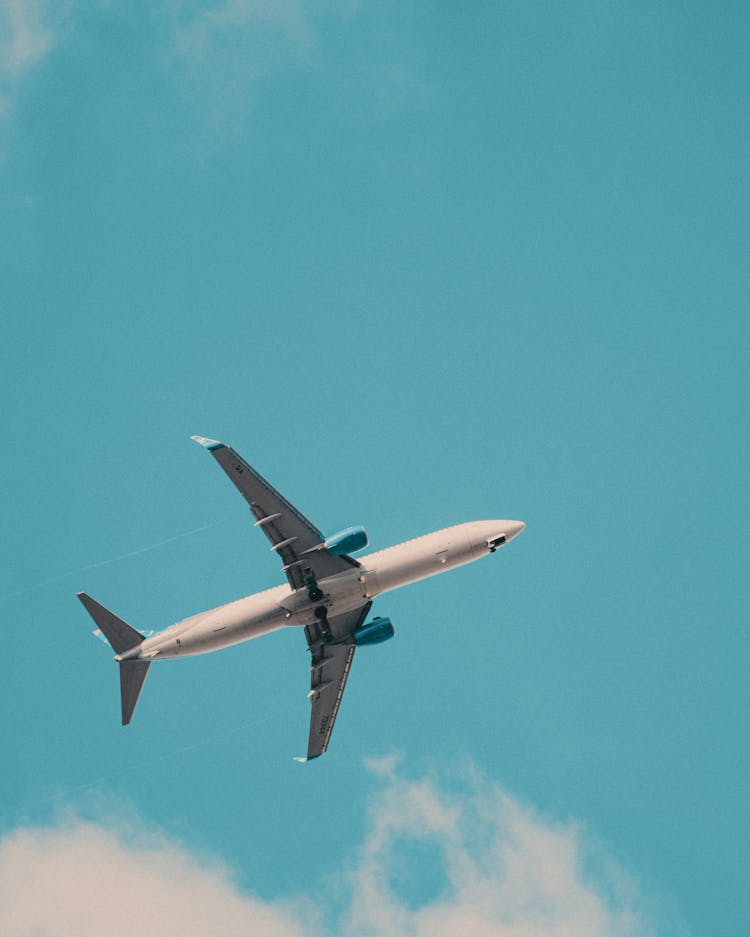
x=255, y=615
x=220, y=627
x=341, y=594
x=419, y=558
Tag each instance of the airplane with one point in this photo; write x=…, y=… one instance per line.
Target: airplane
x=328, y=593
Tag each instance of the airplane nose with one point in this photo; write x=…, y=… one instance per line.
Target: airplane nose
x=496, y=533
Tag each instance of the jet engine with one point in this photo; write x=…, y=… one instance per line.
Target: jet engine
x=374, y=632
x=348, y=540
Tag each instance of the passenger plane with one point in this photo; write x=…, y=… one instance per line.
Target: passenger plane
x=328, y=593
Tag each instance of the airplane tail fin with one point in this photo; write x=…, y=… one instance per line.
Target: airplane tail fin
x=122, y=638
x=132, y=676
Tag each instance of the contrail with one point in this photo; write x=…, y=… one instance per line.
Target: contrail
x=114, y=559
x=148, y=762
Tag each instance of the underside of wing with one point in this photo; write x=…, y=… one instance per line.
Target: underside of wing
x=329, y=672
x=298, y=542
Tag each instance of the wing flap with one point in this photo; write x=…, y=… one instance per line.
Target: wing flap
x=329, y=672
x=291, y=534
x=329, y=684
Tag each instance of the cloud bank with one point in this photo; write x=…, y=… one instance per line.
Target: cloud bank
x=85, y=880
x=440, y=858
x=506, y=871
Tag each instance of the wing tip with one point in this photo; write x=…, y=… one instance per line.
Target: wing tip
x=210, y=444
x=303, y=759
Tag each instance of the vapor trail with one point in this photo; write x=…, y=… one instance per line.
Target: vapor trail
x=146, y=763
x=114, y=559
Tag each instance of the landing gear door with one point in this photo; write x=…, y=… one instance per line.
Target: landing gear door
x=295, y=601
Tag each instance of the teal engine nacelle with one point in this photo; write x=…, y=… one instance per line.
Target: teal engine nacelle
x=348, y=540
x=374, y=632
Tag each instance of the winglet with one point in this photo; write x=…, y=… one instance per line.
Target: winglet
x=302, y=760
x=209, y=444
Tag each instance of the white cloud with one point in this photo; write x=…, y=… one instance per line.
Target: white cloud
x=495, y=868
x=507, y=872
x=26, y=35
x=219, y=56
x=28, y=31
x=227, y=48
x=367, y=56
x=227, y=43
x=83, y=880
x=256, y=21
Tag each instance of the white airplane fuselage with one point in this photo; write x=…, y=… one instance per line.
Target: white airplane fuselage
x=282, y=607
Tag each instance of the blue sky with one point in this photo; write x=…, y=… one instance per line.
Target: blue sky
x=419, y=265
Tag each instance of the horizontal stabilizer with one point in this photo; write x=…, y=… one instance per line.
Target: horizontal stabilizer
x=132, y=675
x=118, y=632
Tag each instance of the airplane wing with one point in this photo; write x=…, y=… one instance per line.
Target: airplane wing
x=329, y=672
x=290, y=532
